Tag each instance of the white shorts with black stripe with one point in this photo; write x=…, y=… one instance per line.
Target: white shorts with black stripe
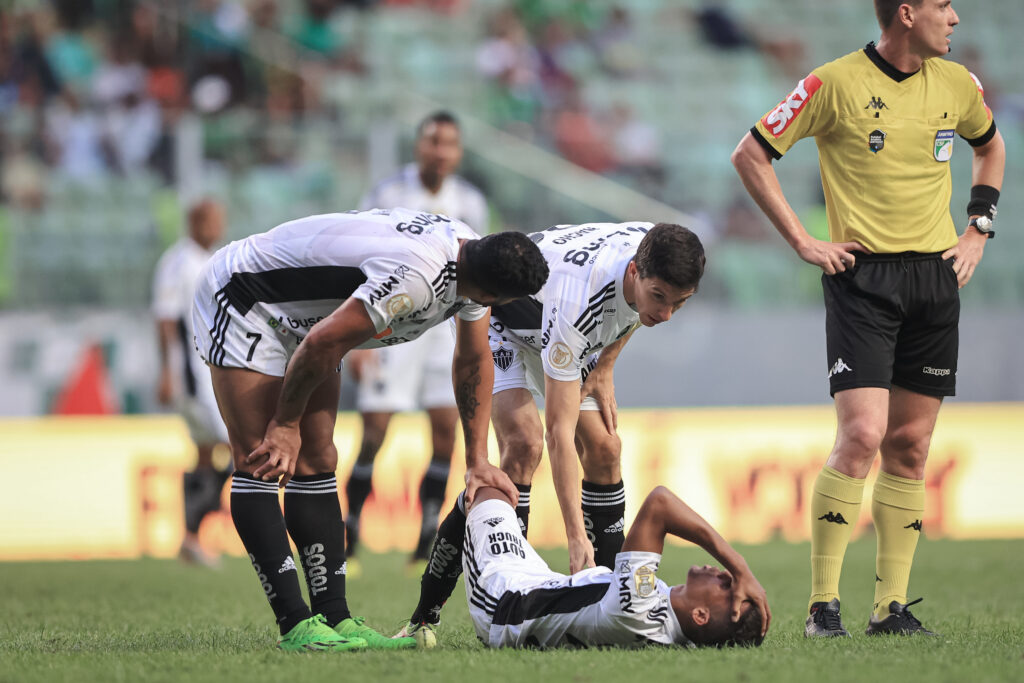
x=518, y=366
x=227, y=339
x=497, y=559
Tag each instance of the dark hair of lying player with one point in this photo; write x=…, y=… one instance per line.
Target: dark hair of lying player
x=503, y=266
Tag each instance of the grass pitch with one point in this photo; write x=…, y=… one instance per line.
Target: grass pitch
x=155, y=620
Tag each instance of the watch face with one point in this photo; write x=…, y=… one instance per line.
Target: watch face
x=982, y=223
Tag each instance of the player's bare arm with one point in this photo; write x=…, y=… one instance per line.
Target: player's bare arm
x=664, y=513
x=601, y=385
x=317, y=356
x=754, y=166
x=473, y=377
x=561, y=413
x=165, y=332
x=987, y=169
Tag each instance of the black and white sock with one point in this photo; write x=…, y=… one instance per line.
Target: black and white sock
x=444, y=565
x=432, y=488
x=523, y=508
x=604, y=511
x=313, y=515
x=257, y=516
x=357, y=490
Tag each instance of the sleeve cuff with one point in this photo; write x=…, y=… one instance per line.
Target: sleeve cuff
x=985, y=137
x=764, y=143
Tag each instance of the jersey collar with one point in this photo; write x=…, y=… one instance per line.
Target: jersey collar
x=885, y=67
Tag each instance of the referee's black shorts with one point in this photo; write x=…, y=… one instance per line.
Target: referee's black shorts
x=893, y=319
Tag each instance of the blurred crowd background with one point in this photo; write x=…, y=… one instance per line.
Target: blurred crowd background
x=116, y=114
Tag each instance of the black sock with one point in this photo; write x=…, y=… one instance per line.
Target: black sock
x=260, y=524
x=604, y=511
x=313, y=515
x=435, y=480
x=357, y=490
x=202, y=495
x=444, y=566
x=523, y=507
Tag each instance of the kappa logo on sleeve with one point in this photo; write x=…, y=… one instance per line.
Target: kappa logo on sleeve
x=778, y=119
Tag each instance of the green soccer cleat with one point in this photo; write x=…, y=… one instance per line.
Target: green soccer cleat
x=423, y=633
x=314, y=635
x=355, y=627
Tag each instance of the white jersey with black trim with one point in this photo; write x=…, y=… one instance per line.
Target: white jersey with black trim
x=456, y=197
x=581, y=308
x=174, y=287
x=400, y=263
x=627, y=607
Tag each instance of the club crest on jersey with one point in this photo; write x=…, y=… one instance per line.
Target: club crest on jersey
x=943, y=145
x=399, y=305
x=560, y=356
x=777, y=120
x=876, y=140
x=644, y=580
x=502, y=358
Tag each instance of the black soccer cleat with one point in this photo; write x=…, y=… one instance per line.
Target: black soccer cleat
x=825, y=622
x=900, y=622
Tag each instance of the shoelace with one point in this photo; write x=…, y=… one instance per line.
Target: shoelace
x=906, y=616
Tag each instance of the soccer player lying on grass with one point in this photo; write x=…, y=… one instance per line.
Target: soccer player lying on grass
x=516, y=600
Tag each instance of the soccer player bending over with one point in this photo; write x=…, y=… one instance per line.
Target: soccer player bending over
x=516, y=600
x=275, y=313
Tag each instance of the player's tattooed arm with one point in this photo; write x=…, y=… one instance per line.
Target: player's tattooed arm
x=473, y=380
x=318, y=356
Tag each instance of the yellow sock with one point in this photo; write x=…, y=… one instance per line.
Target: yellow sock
x=897, y=508
x=835, y=507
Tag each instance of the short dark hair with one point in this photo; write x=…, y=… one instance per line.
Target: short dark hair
x=671, y=253
x=440, y=116
x=746, y=632
x=885, y=10
x=506, y=264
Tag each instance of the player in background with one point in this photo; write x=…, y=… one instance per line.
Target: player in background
x=184, y=381
x=404, y=377
x=516, y=600
x=274, y=315
x=561, y=344
x=884, y=120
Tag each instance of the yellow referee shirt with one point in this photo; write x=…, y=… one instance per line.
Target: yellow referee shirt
x=884, y=142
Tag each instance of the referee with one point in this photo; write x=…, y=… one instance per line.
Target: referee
x=884, y=120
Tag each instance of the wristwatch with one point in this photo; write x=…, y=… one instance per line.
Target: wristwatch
x=983, y=224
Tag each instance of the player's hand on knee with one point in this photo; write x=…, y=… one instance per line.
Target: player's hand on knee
x=280, y=447
x=600, y=386
x=481, y=476
x=581, y=554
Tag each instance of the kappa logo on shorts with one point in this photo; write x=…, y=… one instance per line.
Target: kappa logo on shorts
x=838, y=367
x=503, y=358
x=493, y=521
x=938, y=372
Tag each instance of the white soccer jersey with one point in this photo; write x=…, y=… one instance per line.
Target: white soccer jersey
x=174, y=286
x=399, y=263
x=456, y=197
x=517, y=601
x=581, y=307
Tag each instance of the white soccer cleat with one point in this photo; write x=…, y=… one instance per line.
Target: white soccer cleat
x=423, y=632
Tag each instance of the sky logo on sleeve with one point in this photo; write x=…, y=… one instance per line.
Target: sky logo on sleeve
x=777, y=120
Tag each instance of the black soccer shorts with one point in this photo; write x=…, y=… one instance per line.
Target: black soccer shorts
x=893, y=319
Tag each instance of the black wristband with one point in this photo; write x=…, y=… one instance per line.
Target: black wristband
x=983, y=201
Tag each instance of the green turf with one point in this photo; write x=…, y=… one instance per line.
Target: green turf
x=156, y=620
